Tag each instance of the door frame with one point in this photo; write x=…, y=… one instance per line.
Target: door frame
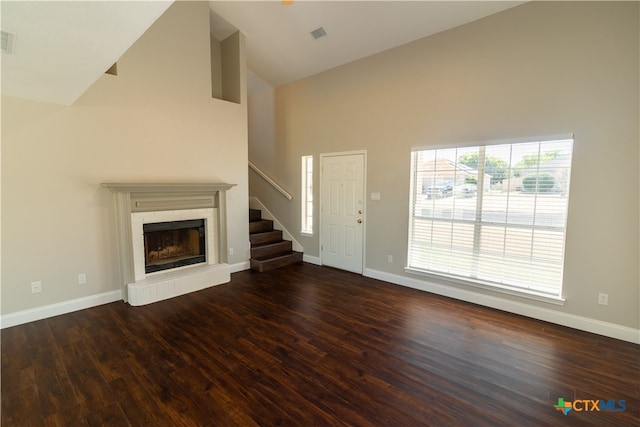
x=364, y=202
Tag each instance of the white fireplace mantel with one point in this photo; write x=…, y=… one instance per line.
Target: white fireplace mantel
x=132, y=198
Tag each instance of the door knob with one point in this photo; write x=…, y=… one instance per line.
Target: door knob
x=359, y=221
x=360, y=211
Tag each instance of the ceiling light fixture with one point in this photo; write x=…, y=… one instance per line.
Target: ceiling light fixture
x=317, y=33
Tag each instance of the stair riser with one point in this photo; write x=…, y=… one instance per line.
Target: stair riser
x=260, y=226
x=275, y=249
x=255, y=215
x=274, y=263
x=268, y=237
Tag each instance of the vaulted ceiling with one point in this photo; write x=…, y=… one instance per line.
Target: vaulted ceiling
x=281, y=49
x=62, y=48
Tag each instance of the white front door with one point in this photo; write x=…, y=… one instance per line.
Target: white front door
x=342, y=211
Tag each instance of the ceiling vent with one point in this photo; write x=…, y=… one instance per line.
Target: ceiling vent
x=7, y=41
x=320, y=32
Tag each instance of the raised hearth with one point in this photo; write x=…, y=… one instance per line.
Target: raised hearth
x=138, y=205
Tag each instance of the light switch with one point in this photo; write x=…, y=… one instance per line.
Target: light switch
x=375, y=196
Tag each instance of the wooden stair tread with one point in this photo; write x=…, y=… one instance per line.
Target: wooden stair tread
x=268, y=249
x=262, y=245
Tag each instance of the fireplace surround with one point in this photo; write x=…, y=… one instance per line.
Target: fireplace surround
x=137, y=205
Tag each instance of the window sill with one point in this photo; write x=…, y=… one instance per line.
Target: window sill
x=306, y=234
x=538, y=296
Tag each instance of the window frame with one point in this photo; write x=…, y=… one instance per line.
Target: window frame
x=414, y=267
x=306, y=196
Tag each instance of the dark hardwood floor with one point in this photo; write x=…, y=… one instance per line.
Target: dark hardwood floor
x=306, y=345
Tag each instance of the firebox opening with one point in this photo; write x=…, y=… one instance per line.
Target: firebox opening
x=174, y=244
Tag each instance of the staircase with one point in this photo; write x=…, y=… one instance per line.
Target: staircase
x=268, y=249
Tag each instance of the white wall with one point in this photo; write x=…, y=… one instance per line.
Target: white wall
x=154, y=122
x=543, y=68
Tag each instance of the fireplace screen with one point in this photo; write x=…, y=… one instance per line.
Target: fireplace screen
x=174, y=244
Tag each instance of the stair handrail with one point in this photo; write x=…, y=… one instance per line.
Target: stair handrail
x=270, y=181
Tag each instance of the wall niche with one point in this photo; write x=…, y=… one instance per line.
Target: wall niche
x=225, y=68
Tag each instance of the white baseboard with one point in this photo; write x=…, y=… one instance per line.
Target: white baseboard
x=577, y=322
x=240, y=266
x=311, y=259
x=39, y=313
x=57, y=309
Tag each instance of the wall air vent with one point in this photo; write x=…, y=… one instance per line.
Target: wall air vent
x=320, y=32
x=7, y=40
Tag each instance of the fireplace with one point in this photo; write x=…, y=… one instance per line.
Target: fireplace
x=171, y=238
x=173, y=244
x=171, y=247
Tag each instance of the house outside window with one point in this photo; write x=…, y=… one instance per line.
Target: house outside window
x=307, y=196
x=492, y=215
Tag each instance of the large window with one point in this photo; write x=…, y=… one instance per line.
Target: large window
x=306, y=198
x=493, y=215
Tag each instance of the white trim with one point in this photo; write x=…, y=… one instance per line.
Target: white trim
x=306, y=185
x=311, y=259
x=565, y=319
x=274, y=184
x=577, y=322
x=494, y=287
x=490, y=142
x=240, y=266
x=343, y=153
x=51, y=310
x=364, y=201
x=57, y=309
x=255, y=203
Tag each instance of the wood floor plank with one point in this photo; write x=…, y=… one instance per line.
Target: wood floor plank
x=308, y=345
x=110, y=415
x=22, y=407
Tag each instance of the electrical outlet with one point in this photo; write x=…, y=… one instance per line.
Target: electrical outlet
x=603, y=299
x=36, y=287
x=389, y=258
x=230, y=252
x=82, y=279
